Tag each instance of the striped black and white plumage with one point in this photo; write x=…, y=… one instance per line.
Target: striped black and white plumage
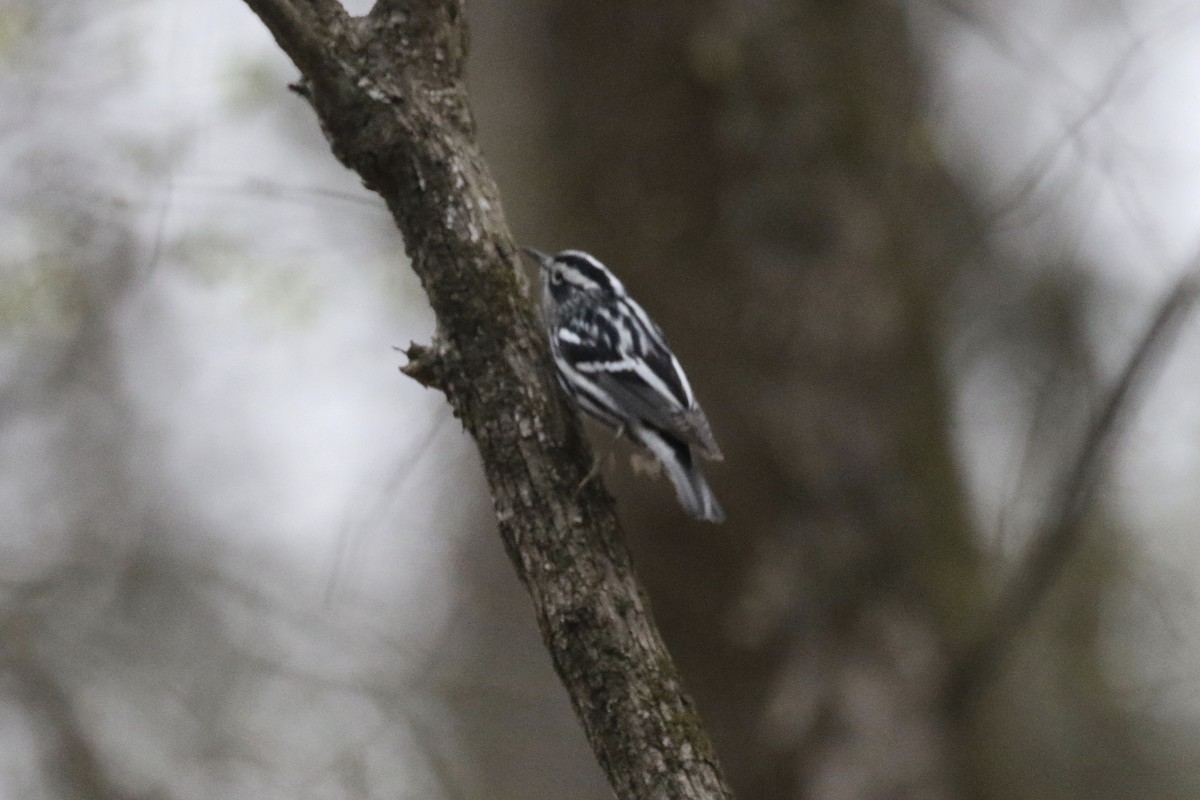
x=614, y=361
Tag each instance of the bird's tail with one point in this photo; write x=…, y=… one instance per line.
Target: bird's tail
x=691, y=487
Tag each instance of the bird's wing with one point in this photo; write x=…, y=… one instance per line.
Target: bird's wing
x=624, y=355
x=690, y=425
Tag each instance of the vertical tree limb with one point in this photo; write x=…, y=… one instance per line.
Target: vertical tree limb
x=388, y=90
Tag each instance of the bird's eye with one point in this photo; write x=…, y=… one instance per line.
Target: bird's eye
x=556, y=277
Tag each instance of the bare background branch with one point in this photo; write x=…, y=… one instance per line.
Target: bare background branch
x=1055, y=547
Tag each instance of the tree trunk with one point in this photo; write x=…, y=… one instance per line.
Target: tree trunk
x=760, y=179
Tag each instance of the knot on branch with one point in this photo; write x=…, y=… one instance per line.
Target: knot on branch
x=426, y=365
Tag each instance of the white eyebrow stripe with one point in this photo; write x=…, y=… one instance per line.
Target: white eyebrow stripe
x=579, y=280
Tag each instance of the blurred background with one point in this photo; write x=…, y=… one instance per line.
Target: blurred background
x=902, y=248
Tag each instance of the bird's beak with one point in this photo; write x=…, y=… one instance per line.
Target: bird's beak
x=541, y=258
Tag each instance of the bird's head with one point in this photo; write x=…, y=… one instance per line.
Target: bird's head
x=573, y=272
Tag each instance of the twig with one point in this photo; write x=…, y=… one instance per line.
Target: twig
x=1053, y=548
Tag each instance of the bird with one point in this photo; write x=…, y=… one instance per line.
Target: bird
x=614, y=362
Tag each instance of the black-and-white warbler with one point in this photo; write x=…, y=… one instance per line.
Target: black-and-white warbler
x=614, y=361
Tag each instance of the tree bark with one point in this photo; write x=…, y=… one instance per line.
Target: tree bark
x=389, y=94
